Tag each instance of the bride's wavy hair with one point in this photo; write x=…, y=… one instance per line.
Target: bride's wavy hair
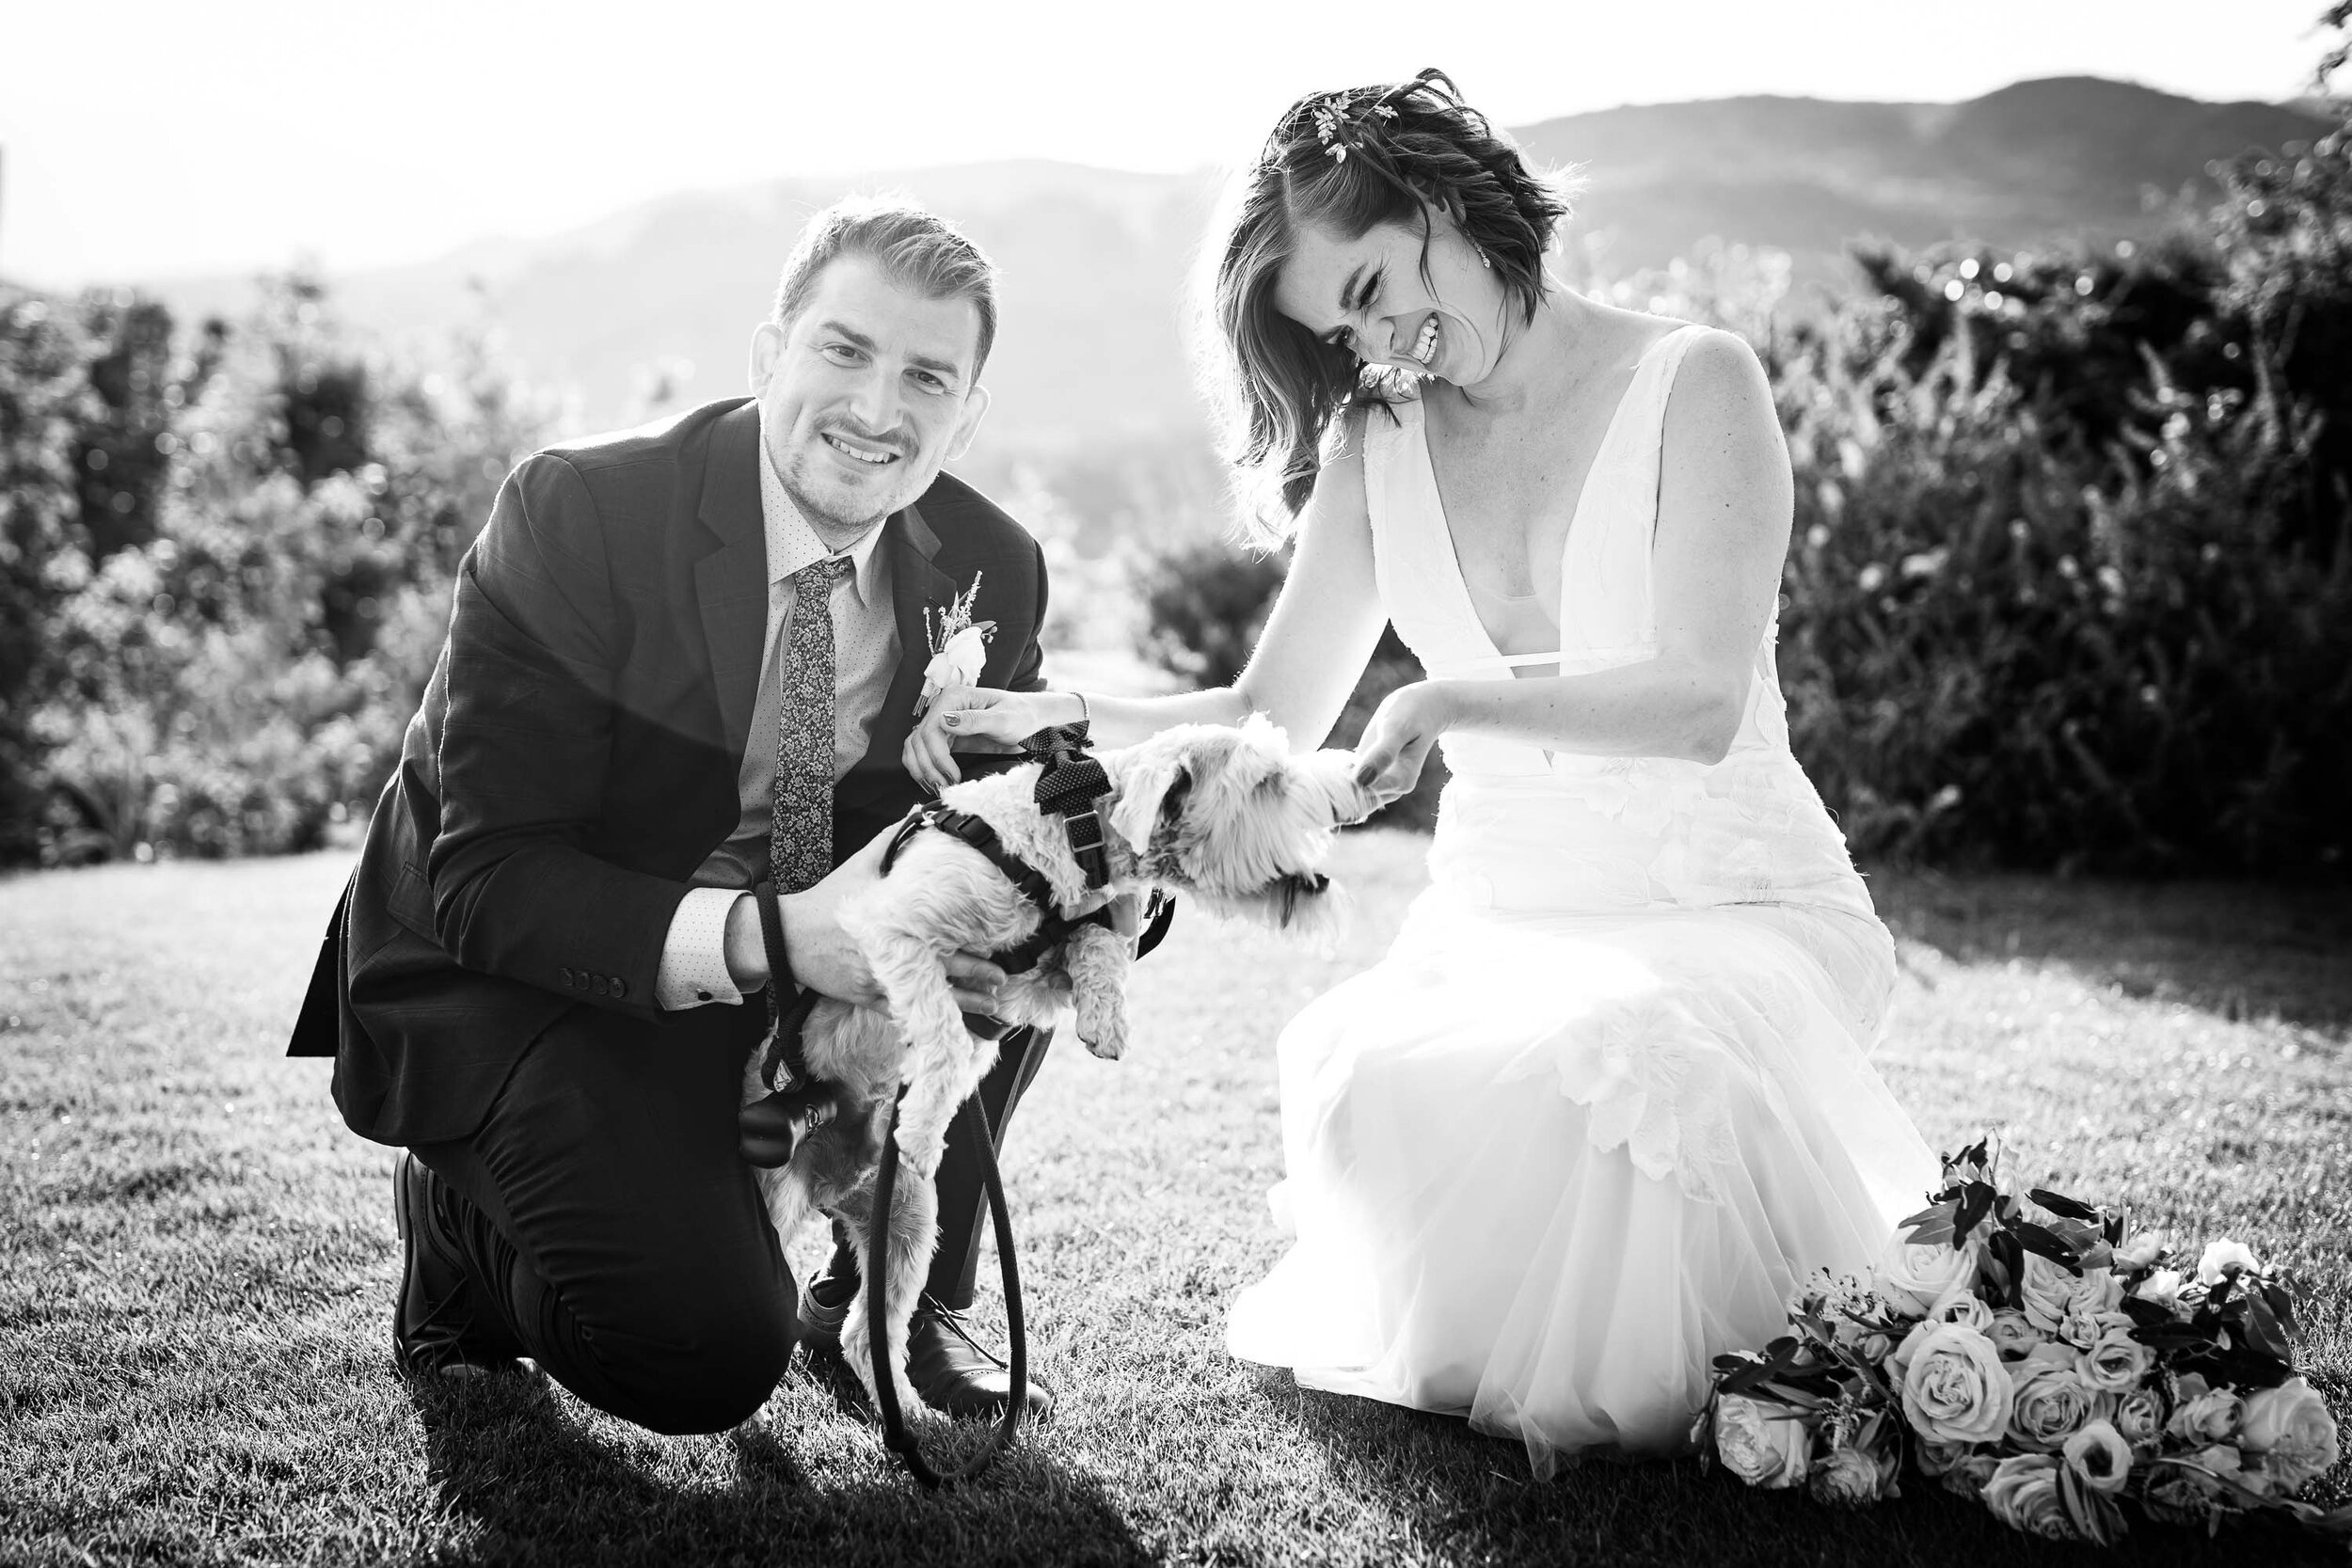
x=1347, y=162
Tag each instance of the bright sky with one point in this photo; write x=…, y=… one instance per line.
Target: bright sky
x=142, y=139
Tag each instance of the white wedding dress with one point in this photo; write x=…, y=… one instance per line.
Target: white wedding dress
x=1608, y=1098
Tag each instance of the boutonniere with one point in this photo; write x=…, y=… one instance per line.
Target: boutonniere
x=959, y=645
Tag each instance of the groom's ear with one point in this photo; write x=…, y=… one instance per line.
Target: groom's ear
x=766, y=348
x=968, y=426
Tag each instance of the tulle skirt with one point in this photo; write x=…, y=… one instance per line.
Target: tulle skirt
x=1543, y=1167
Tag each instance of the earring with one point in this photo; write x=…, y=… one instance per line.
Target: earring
x=1483, y=259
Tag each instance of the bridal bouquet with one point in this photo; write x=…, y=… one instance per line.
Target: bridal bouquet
x=2035, y=1354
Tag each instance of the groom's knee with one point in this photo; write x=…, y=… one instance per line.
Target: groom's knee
x=703, y=1367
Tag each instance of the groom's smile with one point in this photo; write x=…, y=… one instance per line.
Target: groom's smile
x=864, y=393
x=863, y=451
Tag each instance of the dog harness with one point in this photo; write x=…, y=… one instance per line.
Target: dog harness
x=1070, y=785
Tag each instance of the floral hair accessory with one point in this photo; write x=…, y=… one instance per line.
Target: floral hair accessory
x=1340, y=126
x=1339, y=130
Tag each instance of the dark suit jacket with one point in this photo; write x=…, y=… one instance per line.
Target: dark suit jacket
x=575, y=758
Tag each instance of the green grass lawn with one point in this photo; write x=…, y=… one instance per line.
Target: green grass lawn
x=196, y=1261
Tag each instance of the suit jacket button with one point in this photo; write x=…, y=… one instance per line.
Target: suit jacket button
x=620, y=987
x=565, y=974
x=596, y=984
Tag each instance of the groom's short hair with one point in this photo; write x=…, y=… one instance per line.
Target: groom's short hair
x=919, y=250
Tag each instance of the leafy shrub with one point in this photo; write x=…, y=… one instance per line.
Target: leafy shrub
x=2071, y=584
x=230, y=658
x=1999, y=651
x=45, y=398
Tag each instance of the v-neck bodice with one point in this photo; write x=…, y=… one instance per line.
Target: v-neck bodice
x=1606, y=609
x=1750, y=827
x=1623, y=458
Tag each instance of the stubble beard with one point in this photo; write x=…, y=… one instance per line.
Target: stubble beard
x=836, y=530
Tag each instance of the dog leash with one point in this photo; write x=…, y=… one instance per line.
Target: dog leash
x=897, y=1436
x=768, y=1130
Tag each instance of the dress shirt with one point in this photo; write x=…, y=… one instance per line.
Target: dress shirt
x=693, y=968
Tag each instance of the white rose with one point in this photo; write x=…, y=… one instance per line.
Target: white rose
x=2050, y=1292
x=2162, y=1288
x=2082, y=1326
x=2221, y=1255
x=1912, y=1279
x=2009, y=1330
x=2053, y=1399
x=1852, y=1477
x=2206, y=1414
x=1954, y=1387
x=2099, y=1457
x=2290, y=1427
x=2140, y=1252
x=2139, y=1417
x=2116, y=1361
x=2022, y=1493
x=2045, y=1292
x=1963, y=1305
x=1763, y=1445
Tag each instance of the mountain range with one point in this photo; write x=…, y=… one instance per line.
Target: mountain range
x=652, y=308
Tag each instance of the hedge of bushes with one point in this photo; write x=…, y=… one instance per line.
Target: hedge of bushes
x=225, y=567
x=2071, y=582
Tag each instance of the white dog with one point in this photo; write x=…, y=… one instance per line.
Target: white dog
x=1227, y=816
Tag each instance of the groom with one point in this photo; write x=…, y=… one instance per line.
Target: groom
x=681, y=659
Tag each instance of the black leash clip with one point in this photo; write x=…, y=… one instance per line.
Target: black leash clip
x=768, y=1130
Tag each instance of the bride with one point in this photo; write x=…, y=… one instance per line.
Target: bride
x=1608, y=1098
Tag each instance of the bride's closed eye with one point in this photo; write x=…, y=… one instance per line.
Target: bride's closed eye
x=1344, y=337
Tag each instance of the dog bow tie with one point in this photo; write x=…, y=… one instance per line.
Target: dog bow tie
x=1069, y=785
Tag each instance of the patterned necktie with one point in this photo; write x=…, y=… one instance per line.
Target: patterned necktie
x=800, y=833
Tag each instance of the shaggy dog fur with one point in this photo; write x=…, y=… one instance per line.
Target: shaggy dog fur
x=1227, y=816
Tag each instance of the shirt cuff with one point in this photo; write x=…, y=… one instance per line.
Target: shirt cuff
x=694, y=954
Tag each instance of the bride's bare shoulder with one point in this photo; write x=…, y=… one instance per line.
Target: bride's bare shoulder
x=1720, y=367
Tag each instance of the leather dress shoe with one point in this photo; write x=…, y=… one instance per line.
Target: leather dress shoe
x=952, y=1370
x=437, y=1329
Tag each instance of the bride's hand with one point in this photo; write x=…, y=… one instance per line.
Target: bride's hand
x=961, y=713
x=1398, y=739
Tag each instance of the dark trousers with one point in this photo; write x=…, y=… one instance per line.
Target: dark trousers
x=614, y=1234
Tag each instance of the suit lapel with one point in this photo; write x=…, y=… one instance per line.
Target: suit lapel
x=731, y=582
x=916, y=585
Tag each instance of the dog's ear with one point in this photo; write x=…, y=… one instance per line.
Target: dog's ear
x=1145, y=791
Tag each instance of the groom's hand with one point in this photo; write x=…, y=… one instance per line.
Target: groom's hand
x=825, y=958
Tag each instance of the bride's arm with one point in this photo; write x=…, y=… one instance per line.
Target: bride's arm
x=1326, y=622
x=1723, y=508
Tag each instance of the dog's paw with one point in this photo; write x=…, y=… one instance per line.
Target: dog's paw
x=1109, y=1039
